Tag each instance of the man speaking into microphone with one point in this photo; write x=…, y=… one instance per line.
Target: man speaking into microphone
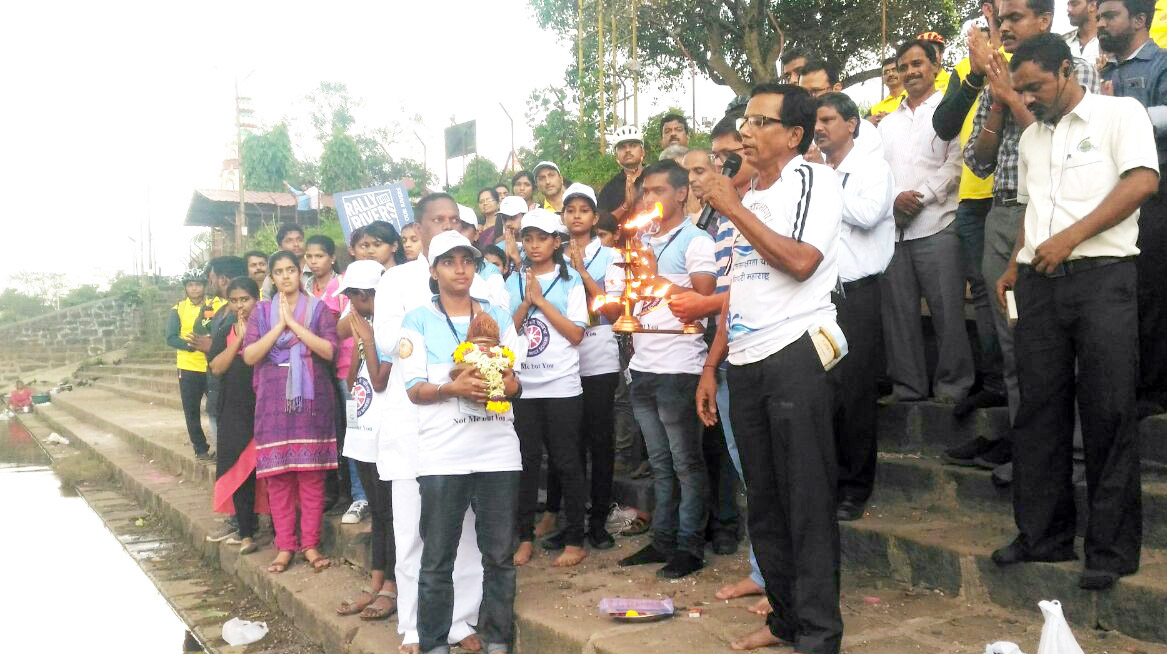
x=779, y=311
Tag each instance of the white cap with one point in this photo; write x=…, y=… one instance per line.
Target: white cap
x=626, y=133
x=542, y=219
x=513, y=205
x=545, y=164
x=467, y=215
x=579, y=189
x=450, y=240
x=362, y=274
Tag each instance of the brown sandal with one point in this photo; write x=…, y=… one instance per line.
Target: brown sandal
x=353, y=607
x=318, y=562
x=373, y=612
x=277, y=566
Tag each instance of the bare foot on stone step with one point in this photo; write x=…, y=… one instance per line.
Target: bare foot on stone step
x=471, y=643
x=762, y=607
x=523, y=554
x=744, y=587
x=572, y=555
x=546, y=525
x=410, y=649
x=756, y=640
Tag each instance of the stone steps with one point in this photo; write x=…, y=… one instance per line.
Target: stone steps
x=928, y=525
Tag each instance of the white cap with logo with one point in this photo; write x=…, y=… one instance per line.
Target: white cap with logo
x=543, y=220
x=582, y=190
x=512, y=205
x=467, y=215
x=450, y=240
x=362, y=274
x=546, y=164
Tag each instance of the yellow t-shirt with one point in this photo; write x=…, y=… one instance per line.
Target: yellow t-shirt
x=1159, y=24
x=971, y=186
x=188, y=314
x=892, y=102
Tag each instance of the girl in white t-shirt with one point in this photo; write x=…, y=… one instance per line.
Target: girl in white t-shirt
x=549, y=305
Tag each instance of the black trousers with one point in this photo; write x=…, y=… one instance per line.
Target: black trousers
x=337, y=483
x=192, y=386
x=596, y=450
x=1088, y=317
x=781, y=416
x=244, y=502
x=721, y=502
x=1152, y=297
x=855, y=380
x=552, y=423
x=380, y=496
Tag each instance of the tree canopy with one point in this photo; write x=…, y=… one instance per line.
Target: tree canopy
x=738, y=43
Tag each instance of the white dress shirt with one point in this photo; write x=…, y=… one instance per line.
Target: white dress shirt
x=869, y=140
x=1088, y=52
x=1065, y=170
x=867, y=234
x=921, y=162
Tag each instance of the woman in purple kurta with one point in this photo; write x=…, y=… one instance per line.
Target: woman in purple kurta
x=291, y=341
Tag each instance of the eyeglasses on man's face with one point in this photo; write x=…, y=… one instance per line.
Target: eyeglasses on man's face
x=757, y=121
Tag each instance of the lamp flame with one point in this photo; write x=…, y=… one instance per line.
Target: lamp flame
x=642, y=219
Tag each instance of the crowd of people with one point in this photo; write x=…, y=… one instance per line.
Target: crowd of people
x=1028, y=176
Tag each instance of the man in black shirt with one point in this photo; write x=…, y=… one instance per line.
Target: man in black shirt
x=618, y=194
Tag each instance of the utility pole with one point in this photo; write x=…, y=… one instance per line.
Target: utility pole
x=578, y=60
x=600, y=61
x=511, y=155
x=241, y=112
x=635, y=69
x=425, y=160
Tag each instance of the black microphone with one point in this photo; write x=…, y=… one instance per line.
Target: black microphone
x=732, y=164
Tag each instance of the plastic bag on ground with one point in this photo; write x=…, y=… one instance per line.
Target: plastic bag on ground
x=243, y=632
x=57, y=438
x=1003, y=647
x=1056, y=637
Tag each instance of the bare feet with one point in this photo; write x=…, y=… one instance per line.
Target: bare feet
x=410, y=649
x=572, y=555
x=523, y=554
x=740, y=588
x=756, y=639
x=546, y=525
x=471, y=643
x=762, y=607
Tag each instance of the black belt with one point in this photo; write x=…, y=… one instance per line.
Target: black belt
x=1006, y=201
x=861, y=282
x=1077, y=265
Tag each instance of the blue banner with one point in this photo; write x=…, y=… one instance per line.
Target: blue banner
x=362, y=206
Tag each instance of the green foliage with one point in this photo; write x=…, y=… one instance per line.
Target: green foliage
x=341, y=166
x=15, y=306
x=561, y=138
x=268, y=160
x=332, y=109
x=738, y=42
x=264, y=238
x=480, y=172
x=651, y=133
x=80, y=295
x=382, y=168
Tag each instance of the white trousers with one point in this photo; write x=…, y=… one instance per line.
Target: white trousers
x=467, y=566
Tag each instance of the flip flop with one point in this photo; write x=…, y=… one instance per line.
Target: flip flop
x=277, y=567
x=372, y=612
x=353, y=607
x=319, y=563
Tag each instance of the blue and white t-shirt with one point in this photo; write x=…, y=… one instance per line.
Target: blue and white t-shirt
x=365, y=414
x=455, y=437
x=682, y=251
x=598, y=352
x=551, y=368
x=768, y=308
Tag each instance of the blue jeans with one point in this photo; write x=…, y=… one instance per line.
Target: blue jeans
x=494, y=496
x=731, y=445
x=356, y=489
x=970, y=231
x=665, y=407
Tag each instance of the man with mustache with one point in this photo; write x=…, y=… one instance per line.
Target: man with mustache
x=1138, y=69
x=992, y=150
x=927, y=252
x=1084, y=168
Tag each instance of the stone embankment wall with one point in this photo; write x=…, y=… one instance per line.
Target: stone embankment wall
x=78, y=333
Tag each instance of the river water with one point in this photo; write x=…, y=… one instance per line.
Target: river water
x=68, y=585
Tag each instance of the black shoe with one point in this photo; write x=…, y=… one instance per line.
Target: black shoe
x=1015, y=553
x=1097, y=579
x=647, y=554
x=1001, y=454
x=981, y=400
x=680, y=565
x=554, y=541
x=724, y=543
x=600, y=539
x=963, y=454
x=850, y=510
x=1003, y=475
x=207, y=455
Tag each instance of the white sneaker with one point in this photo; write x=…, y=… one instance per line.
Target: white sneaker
x=356, y=512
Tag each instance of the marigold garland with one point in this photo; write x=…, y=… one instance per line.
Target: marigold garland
x=490, y=362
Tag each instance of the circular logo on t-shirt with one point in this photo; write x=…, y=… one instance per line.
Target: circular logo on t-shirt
x=538, y=336
x=362, y=395
x=404, y=348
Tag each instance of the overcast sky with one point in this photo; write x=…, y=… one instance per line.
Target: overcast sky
x=117, y=111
